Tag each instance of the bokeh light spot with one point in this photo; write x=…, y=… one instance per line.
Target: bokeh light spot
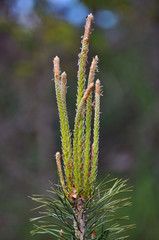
x=106, y=19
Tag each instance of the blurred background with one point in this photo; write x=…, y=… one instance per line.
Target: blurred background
x=126, y=39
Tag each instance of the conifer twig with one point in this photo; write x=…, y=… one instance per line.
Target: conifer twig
x=63, y=96
x=95, y=133
x=64, y=125
x=81, y=86
x=83, y=58
x=76, y=130
x=86, y=167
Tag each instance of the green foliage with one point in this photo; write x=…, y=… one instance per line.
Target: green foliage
x=79, y=167
x=81, y=210
x=66, y=141
x=95, y=135
x=57, y=214
x=88, y=125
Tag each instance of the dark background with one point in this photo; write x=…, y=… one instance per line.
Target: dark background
x=126, y=39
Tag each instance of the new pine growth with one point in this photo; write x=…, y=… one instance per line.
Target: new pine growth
x=79, y=169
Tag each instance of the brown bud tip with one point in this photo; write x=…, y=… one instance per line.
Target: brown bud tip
x=87, y=92
x=97, y=87
x=94, y=64
x=57, y=155
x=89, y=21
x=58, y=158
x=64, y=78
x=57, y=66
x=90, y=16
x=96, y=58
x=56, y=61
x=58, y=162
x=61, y=233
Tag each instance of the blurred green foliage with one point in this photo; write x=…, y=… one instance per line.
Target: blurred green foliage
x=129, y=72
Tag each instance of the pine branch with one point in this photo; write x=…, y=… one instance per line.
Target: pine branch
x=86, y=167
x=83, y=58
x=95, y=134
x=77, y=209
x=81, y=86
x=77, y=165
x=96, y=216
x=64, y=125
x=63, y=96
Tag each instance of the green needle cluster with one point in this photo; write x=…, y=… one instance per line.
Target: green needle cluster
x=79, y=170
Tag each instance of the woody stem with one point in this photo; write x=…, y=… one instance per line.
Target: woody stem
x=80, y=224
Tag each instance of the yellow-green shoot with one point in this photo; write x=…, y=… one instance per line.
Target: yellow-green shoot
x=80, y=156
